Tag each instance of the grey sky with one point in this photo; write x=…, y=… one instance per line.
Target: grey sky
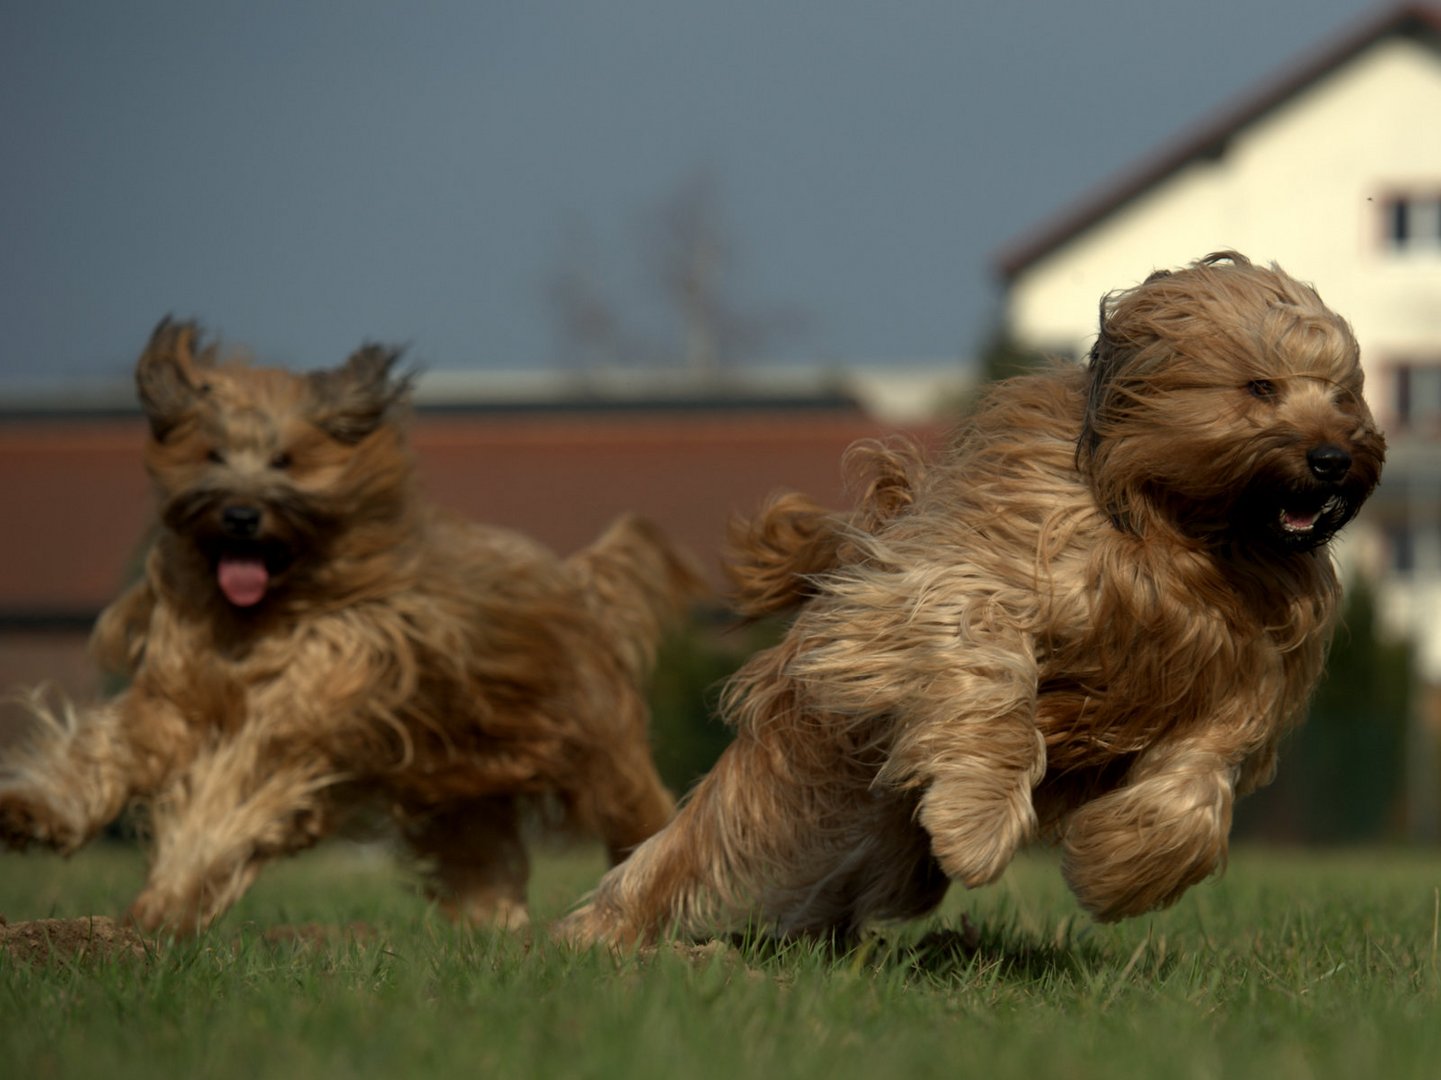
x=302, y=176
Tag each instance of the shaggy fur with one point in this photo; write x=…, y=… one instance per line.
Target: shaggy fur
x=1090, y=621
x=309, y=635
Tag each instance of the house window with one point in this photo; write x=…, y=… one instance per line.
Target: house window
x=1401, y=542
x=1413, y=542
x=1412, y=223
x=1417, y=399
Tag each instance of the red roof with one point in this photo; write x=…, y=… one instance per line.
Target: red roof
x=78, y=503
x=1209, y=139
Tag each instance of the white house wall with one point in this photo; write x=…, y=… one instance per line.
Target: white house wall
x=1301, y=186
x=1304, y=186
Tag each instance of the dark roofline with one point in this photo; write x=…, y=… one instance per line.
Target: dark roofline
x=822, y=401
x=26, y=620
x=1210, y=137
x=13, y=414
x=723, y=403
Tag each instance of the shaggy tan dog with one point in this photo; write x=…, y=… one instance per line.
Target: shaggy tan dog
x=1091, y=621
x=309, y=635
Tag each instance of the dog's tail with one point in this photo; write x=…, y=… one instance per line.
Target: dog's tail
x=773, y=559
x=637, y=582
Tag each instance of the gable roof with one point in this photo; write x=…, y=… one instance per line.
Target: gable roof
x=1210, y=138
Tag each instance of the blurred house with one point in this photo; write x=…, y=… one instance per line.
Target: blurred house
x=554, y=458
x=1332, y=170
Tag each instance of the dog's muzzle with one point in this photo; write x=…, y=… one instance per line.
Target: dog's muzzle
x=245, y=564
x=240, y=522
x=1329, y=463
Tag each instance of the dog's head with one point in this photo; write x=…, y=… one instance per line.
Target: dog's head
x=1227, y=399
x=259, y=471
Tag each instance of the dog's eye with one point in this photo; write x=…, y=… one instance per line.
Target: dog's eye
x=1264, y=389
x=215, y=457
x=281, y=460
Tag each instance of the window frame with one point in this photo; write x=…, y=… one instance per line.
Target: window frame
x=1420, y=209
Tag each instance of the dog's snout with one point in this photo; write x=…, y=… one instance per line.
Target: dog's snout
x=1328, y=462
x=241, y=522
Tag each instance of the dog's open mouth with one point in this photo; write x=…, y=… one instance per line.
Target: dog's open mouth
x=1302, y=522
x=243, y=579
x=245, y=573
x=1309, y=522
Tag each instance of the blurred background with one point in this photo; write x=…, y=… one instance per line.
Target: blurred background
x=671, y=257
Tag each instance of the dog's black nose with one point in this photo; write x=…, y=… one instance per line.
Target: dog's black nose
x=1328, y=462
x=240, y=521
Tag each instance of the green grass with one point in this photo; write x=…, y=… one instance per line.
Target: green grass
x=1293, y=965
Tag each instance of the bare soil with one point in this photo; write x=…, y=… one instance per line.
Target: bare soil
x=97, y=937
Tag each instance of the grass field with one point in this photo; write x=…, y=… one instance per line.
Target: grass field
x=1293, y=965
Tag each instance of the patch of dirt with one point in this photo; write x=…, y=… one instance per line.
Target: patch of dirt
x=706, y=951
x=98, y=937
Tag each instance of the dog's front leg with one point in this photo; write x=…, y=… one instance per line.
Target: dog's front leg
x=971, y=744
x=236, y=807
x=1141, y=846
x=79, y=766
x=955, y=678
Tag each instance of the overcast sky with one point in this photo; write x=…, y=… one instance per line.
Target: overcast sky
x=303, y=176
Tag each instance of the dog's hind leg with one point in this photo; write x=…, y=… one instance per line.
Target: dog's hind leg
x=1140, y=846
x=880, y=867
x=694, y=874
x=215, y=826
x=765, y=839
x=475, y=862
x=619, y=793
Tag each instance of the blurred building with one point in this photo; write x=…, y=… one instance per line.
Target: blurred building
x=1332, y=170
x=555, y=457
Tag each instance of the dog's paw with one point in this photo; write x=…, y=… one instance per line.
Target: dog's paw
x=975, y=833
x=157, y=912
x=19, y=826
x=588, y=927
x=487, y=911
x=25, y=820
x=1132, y=851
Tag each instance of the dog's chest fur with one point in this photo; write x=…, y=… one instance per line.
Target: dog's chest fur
x=1134, y=638
x=1127, y=658
x=435, y=678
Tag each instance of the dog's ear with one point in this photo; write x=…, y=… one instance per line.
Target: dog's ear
x=1101, y=365
x=354, y=399
x=170, y=374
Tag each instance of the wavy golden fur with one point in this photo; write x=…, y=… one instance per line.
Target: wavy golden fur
x=310, y=635
x=1090, y=621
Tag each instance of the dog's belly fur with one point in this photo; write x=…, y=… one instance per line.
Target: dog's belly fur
x=415, y=693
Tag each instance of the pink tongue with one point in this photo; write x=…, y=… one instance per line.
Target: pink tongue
x=243, y=580
x=1300, y=521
